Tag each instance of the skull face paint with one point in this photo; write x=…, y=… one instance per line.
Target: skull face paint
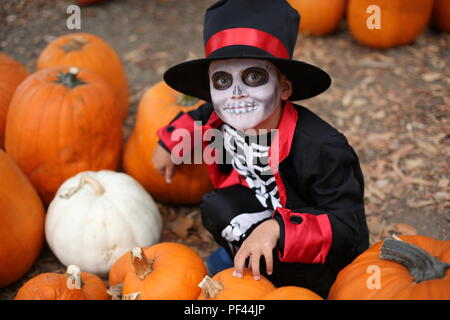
x=244, y=92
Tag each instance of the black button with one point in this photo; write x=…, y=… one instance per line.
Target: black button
x=170, y=128
x=295, y=219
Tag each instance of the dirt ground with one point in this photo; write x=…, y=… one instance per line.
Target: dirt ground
x=393, y=105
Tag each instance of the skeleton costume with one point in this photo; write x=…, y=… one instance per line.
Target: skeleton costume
x=304, y=175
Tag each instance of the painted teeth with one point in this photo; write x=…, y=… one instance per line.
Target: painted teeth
x=241, y=107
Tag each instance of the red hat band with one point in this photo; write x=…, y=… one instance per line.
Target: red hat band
x=247, y=37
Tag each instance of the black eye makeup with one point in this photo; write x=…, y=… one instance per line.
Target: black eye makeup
x=255, y=76
x=222, y=80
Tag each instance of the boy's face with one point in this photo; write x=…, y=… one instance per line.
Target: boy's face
x=244, y=92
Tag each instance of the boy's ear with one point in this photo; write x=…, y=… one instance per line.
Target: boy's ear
x=286, y=87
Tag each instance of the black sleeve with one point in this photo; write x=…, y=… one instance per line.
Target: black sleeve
x=338, y=189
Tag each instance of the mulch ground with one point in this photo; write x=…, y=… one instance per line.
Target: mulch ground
x=393, y=105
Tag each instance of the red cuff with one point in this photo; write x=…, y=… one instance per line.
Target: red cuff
x=307, y=237
x=179, y=131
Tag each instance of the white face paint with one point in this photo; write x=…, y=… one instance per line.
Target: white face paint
x=244, y=92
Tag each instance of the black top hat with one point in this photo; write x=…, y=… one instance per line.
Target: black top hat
x=257, y=29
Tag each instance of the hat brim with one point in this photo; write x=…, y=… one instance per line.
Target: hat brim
x=191, y=77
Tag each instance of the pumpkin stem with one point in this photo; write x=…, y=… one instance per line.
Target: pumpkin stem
x=132, y=296
x=73, y=274
x=85, y=178
x=74, y=44
x=70, y=79
x=142, y=265
x=421, y=265
x=210, y=287
x=186, y=101
x=115, y=291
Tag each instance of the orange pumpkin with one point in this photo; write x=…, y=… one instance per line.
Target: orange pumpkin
x=12, y=74
x=441, y=15
x=401, y=21
x=413, y=269
x=88, y=51
x=159, y=105
x=21, y=222
x=319, y=17
x=165, y=271
x=225, y=286
x=62, y=122
x=73, y=285
x=291, y=293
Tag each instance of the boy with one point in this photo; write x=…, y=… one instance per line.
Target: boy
x=290, y=200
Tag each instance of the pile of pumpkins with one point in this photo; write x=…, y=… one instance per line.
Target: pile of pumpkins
x=409, y=268
x=401, y=21
x=67, y=175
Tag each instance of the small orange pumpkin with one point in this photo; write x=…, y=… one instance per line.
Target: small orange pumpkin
x=401, y=21
x=165, y=271
x=85, y=50
x=22, y=219
x=158, y=107
x=291, y=293
x=73, y=285
x=12, y=73
x=62, y=121
x=225, y=286
x=319, y=17
x=410, y=268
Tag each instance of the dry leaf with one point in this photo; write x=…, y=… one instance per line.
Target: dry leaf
x=441, y=196
x=428, y=148
x=412, y=164
x=405, y=229
x=431, y=76
x=181, y=226
x=183, y=223
x=443, y=183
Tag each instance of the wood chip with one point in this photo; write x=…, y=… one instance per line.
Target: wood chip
x=419, y=204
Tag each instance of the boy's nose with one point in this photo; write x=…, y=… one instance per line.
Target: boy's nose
x=237, y=92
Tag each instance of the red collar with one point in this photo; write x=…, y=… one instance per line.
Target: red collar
x=286, y=127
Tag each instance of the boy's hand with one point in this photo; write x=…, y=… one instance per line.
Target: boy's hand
x=163, y=163
x=260, y=242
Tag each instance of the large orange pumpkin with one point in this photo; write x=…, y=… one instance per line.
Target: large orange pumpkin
x=319, y=17
x=73, y=285
x=60, y=123
x=159, y=105
x=225, y=286
x=21, y=222
x=413, y=269
x=291, y=293
x=401, y=21
x=165, y=271
x=441, y=15
x=86, y=50
x=12, y=73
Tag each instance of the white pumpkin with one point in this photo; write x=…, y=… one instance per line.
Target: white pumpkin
x=96, y=217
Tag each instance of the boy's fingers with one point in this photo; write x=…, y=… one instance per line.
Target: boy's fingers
x=269, y=262
x=255, y=266
x=239, y=261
